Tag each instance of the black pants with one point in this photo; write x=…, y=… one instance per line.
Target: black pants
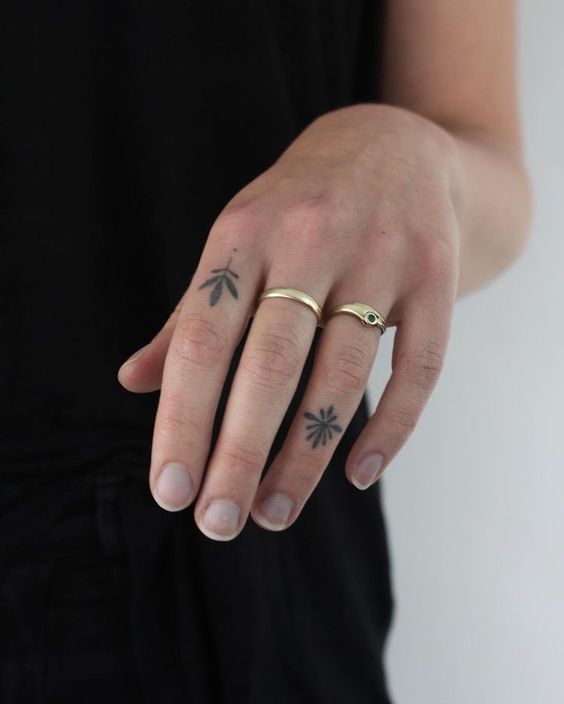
x=64, y=608
x=105, y=597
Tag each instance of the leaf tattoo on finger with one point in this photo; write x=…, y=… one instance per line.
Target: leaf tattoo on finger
x=222, y=276
x=322, y=428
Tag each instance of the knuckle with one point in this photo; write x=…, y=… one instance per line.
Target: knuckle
x=403, y=418
x=421, y=367
x=310, y=466
x=435, y=255
x=239, y=220
x=199, y=341
x=347, y=371
x=177, y=424
x=309, y=216
x=274, y=359
x=246, y=459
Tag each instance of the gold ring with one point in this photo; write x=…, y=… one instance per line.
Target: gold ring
x=296, y=295
x=365, y=313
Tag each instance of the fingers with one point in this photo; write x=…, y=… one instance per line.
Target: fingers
x=143, y=371
x=212, y=319
x=199, y=342
x=419, y=351
x=343, y=360
x=265, y=381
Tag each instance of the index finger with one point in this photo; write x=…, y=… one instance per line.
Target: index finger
x=213, y=318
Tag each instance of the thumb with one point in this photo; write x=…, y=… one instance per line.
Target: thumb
x=143, y=371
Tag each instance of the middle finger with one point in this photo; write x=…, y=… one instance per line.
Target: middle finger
x=264, y=384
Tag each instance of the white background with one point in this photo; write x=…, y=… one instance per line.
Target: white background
x=474, y=500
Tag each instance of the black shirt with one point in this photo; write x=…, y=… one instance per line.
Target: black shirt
x=125, y=127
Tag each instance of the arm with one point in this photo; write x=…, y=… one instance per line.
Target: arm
x=402, y=205
x=453, y=63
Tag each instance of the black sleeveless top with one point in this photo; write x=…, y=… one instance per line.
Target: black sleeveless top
x=125, y=127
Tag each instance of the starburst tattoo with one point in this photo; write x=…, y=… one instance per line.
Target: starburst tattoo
x=221, y=277
x=322, y=428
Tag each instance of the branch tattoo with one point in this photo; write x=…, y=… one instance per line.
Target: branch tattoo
x=221, y=277
x=322, y=428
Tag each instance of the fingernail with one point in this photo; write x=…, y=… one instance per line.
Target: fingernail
x=134, y=356
x=221, y=519
x=367, y=470
x=275, y=510
x=173, y=488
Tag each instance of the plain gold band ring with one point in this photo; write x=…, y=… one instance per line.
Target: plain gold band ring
x=296, y=295
x=365, y=313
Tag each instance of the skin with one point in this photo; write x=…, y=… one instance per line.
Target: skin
x=388, y=204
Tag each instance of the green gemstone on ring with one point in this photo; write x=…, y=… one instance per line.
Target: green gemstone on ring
x=371, y=318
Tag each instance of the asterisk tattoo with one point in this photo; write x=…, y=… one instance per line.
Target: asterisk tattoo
x=321, y=427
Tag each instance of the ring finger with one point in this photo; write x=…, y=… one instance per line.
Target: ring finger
x=341, y=369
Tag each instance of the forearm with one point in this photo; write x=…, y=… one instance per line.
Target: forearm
x=454, y=64
x=493, y=205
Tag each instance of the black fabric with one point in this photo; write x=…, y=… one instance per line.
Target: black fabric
x=124, y=129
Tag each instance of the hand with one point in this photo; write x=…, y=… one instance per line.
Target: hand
x=358, y=208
